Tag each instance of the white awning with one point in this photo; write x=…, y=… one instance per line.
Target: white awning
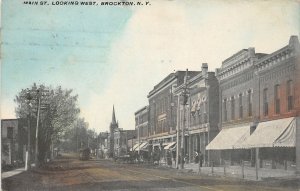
x=169, y=145
x=228, y=138
x=142, y=145
x=134, y=147
x=275, y=133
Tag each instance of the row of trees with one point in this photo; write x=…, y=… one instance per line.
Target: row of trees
x=53, y=118
x=79, y=136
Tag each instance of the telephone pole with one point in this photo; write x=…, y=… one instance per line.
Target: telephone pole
x=37, y=127
x=185, y=100
x=28, y=152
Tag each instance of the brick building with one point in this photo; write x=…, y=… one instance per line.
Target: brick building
x=278, y=109
x=142, y=128
x=163, y=111
x=259, y=108
x=236, y=109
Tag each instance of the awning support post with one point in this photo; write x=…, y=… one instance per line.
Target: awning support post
x=243, y=170
x=256, y=162
x=298, y=145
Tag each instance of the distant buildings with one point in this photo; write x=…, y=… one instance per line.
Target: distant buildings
x=142, y=130
x=114, y=143
x=13, y=140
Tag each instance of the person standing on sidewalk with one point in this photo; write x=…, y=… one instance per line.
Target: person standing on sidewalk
x=196, y=158
x=200, y=158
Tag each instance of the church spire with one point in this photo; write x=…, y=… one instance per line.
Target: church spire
x=113, y=121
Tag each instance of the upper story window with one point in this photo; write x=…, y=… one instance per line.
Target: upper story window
x=290, y=97
x=10, y=132
x=277, y=99
x=249, y=103
x=232, y=108
x=240, y=106
x=225, y=109
x=265, y=102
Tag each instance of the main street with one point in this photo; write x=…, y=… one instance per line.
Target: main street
x=69, y=173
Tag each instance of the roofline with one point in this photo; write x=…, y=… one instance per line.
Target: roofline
x=141, y=109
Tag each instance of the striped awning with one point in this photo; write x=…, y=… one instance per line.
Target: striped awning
x=134, y=147
x=171, y=144
x=275, y=133
x=142, y=146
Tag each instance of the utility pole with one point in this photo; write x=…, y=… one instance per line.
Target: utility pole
x=39, y=94
x=177, y=132
x=138, y=126
x=37, y=127
x=28, y=152
x=185, y=99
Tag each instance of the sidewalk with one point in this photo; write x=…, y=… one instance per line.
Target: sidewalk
x=12, y=172
x=248, y=173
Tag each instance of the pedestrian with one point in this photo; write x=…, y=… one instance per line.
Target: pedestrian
x=201, y=158
x=196, y=155
x=169, y=158
x=174, y=156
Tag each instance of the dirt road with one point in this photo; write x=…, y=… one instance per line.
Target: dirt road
x=68, y=173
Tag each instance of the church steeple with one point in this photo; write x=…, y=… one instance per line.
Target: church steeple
x=113, y=121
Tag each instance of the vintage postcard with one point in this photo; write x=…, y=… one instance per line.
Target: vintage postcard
x=150, y=95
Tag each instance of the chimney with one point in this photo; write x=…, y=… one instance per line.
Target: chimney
x=294, y=42
x=204, y=69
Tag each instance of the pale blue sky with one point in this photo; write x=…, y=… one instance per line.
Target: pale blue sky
x=65, y=46
x=115, y=55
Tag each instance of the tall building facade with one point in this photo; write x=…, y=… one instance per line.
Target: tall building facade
x=200, y=118
x=237, y=110
x=142, y=128
x=163, y=110
x=259, y=108
x=278, y=97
